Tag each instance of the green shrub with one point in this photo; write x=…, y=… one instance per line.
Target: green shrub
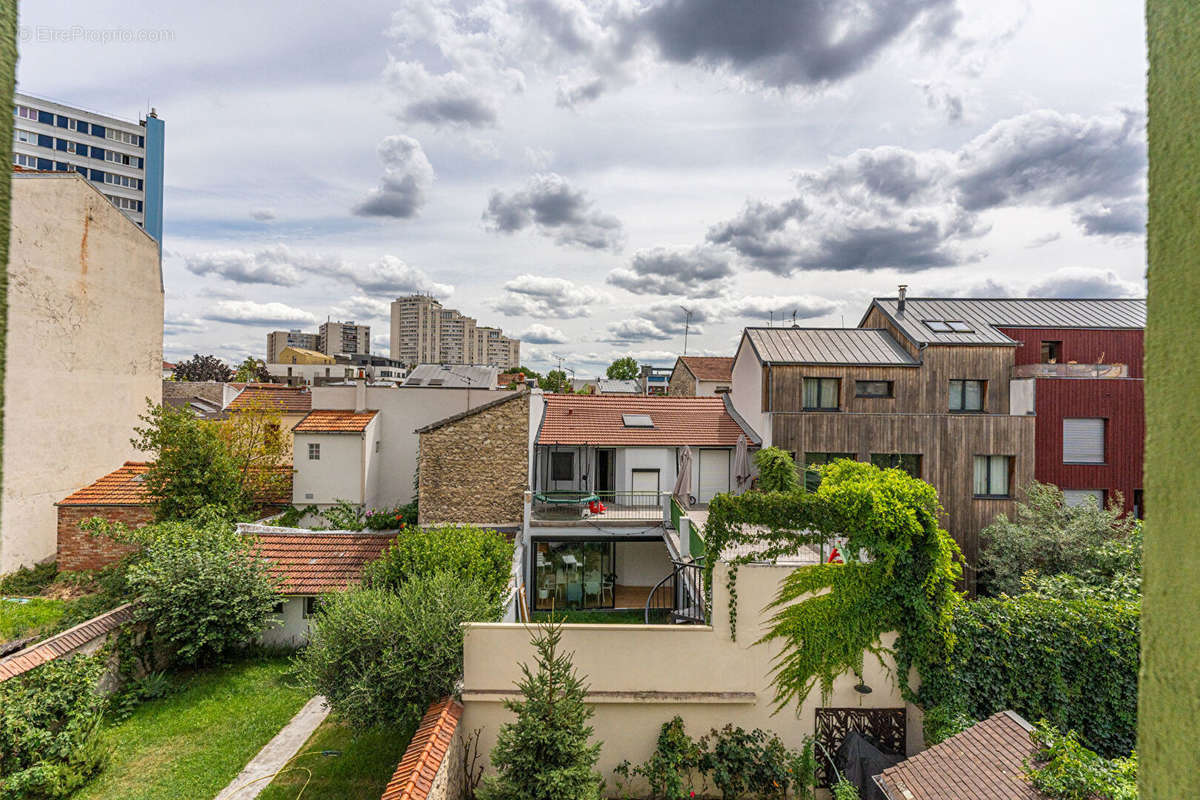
x=676, y=756
x=776, y=471
x=546, y=753
x=380, y=657
x=845, y=790
x=1066, y=770
x=204, y=592
x=28, y=581
x=385, y=519
x=345, y=516
x=48, y=722
x=474, y=555
x=740, y=762
x=1072, y=662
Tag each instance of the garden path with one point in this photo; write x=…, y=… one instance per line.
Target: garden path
x=274, y=756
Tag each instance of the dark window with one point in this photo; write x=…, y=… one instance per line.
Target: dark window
x=277, y=608
x=1139, y=504
x=820, y=459
x=966, y=395
x=82, y=127
x=45, y=117
x=993, y=474
x=1051, y=352
x=821, y=394
x=45, y=164
x=45, y=141
x=562, y=466
x=60, y=144
x=872, y=388
x=909, y=462
x=61, y=121
x=311, y=606
x=98, y=152
x=98, y=130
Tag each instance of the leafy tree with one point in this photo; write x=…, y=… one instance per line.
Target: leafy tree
x=202, y=368
x=474, y=555
x=1048, y=537
x=381, y=657
x=48, y=723
x=254, y=439
x=776, y=471
x=204, y=591
x=252, y=370
x=623, y=369
x=556, y=382
x=192, y=467
x=545, y=754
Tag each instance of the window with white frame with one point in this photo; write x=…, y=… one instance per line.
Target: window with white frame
x=1083, y=441
x=314, y=451
x=123, y=203
x=993, y=476
x=27, y=137
x=124, y=137
x=22, y=160
x=821, y=394
x=120, y=180
x=25, y=112
x=119, y=158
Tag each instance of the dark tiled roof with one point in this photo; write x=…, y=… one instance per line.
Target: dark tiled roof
x=984, y=762
x=862, y=346
x=328, y=420
x=985, y=317
x=596, y=419
x=64, y=643
x=709, y=368
x=123, y=487
x=430, y=745
x=317, y=562
x=283, y=399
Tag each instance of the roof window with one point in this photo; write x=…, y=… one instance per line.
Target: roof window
x=637, y=420
x=948, y=326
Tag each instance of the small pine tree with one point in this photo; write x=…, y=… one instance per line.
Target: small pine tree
x=545, y=754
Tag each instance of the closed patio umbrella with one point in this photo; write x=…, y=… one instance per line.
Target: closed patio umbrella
x=683, y=481
x=741, y=463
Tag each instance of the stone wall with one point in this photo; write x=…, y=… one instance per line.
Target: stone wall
x=474, y=468
x=80, y=550
x=682, y=383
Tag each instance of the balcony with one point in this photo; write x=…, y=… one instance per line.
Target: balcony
x=1070, y=371
x=597, y=508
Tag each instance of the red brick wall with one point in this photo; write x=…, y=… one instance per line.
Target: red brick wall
x=78, y=550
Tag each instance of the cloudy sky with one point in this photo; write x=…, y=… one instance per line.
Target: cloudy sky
x=576, y=171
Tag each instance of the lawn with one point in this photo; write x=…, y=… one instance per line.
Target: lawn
x=192, y=743
x=592, y=617
x=361, y=771
x=21, y=617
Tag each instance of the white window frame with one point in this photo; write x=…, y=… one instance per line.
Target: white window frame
x=314, y=451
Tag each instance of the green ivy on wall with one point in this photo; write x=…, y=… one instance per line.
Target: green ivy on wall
x=828, y=615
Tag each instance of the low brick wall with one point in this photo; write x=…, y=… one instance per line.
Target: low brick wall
x=431, y=768
x=78, y=550
x=84, y=639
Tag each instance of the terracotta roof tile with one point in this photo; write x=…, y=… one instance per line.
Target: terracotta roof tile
x=984, y=762
x=64, y=643
x=709, y=368
x=284, y=399
x=335, y=421
x=598, y=420
x=123, y=487
x=414, y=775
x=318, y=562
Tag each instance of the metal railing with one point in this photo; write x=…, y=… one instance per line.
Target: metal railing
x=679, y=597
x=598, y=506
x=1070, y=371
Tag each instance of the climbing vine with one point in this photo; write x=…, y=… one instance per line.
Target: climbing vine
x=900, y=572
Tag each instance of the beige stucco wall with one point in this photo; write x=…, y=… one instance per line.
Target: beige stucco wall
x=640, y=676
x=84, y=351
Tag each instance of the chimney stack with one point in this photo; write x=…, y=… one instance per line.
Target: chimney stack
x=901, y=295
x=360, y=396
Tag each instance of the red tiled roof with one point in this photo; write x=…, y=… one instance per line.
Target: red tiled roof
x=709, y=368
x=430, y=745
x=319, y=562
x=328, y=420
x=597, y=419
x=121, y=487
x=284, y=399
x=984, y=762
x=64, y=643
x=168, y=365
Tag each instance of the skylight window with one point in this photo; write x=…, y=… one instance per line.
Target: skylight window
x=637, y=420
x=948, y=326
x=958, y=326
x=413, y=382
x=937, y=326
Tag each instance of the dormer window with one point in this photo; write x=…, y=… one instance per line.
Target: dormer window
x=637, y=421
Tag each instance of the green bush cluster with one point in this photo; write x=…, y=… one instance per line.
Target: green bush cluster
x=28, y=581
x=477, y=556
x=1071, y=662
x=48, y=722
x=1066, y=770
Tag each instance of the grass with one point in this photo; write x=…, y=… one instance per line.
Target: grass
x=31, y=616
x=192, y=743
x=592, y=617
x=361, y=772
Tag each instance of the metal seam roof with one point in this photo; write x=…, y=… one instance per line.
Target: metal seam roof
x=816, y=346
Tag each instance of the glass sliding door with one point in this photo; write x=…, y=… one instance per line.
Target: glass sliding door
x=573, y=574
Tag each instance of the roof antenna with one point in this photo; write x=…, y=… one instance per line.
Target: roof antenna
x=687, y=322
x=772, y=322
x=795, y=311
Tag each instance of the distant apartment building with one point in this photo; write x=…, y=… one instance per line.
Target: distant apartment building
x=423, y=332
x=344, y=337
x=278, y=341
x=124, y=160
x=85, y=315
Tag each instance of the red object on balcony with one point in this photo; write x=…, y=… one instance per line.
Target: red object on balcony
x=835, y=557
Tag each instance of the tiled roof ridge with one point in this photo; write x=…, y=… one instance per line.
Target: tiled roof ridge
x=64, y=643
x=429, y=747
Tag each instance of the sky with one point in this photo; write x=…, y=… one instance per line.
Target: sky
x=580, y=172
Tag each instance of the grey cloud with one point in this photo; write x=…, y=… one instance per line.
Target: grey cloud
x=942, y=97
x=263, y=214
x=248, y=312
x=278, y=265
x=668, y=319
x=1085, y=282
x=1042, y=241
x=468, y=111
x=571, y=96
x=407, y=176
x=635, y=330
x=538, y=297
x=542, y=334
x=783, y=43
x=1116, y=219
x=695, y=272
x=549, y=204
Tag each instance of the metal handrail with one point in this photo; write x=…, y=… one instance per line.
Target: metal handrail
x=677, y=590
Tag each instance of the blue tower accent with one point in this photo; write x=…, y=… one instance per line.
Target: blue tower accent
x=152, y=219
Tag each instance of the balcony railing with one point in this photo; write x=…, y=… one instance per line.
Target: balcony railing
x=598, y=507
x=1070, y=371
